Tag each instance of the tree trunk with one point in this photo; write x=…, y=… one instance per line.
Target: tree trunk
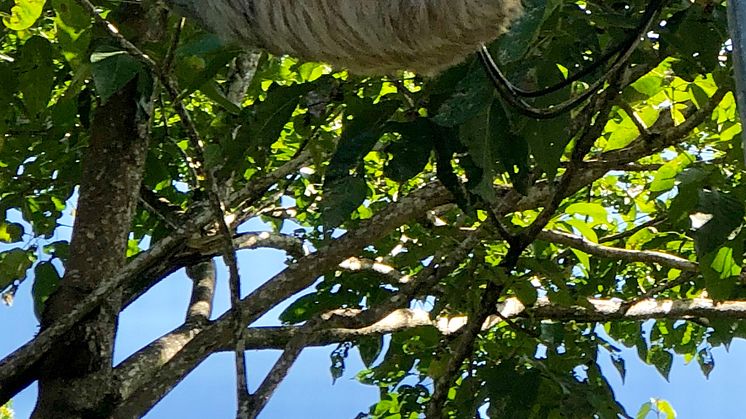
x=75, y=377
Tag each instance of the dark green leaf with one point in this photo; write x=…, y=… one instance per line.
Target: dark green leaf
x=662, y=360
x=35, y=74
x=112, y=70
x=13, y=265
x=619, y=364
x=547, y=140
x=10, y=232
x=411, y=153
x=370, y=348
x=493, y=148
x=263, y=123
x=473, y=95
x=513, y=45
x=341, y=198
x=525, y=292
x=73, y=25
x=46, y=280
x=721, y=214
x=199, y=59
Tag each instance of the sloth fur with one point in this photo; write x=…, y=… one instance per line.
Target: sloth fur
x=364, y=36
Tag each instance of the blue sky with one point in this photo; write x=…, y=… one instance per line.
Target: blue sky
x=308, y=392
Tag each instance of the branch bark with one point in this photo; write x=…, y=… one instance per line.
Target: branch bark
x=73, y=386
x=644, y=256
x=597, y=310
x=293, y=279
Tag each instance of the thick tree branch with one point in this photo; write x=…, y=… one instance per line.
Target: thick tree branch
x=22, y=359
x=18, y=363
x=203, y=292
x=355, y=264
x=509, y=201
x=292, y=280
x=598, y=310
x=210, y=246
x=240, y=75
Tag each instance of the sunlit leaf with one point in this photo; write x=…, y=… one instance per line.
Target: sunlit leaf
x=23, y=14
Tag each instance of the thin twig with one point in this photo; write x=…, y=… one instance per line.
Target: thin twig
x=639, y=123
x=627, y=233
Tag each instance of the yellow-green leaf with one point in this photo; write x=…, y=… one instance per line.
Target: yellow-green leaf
x=23, y=14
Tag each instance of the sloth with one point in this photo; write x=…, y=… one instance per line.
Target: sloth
x=369, y=37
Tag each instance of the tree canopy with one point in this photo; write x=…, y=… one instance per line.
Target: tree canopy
x=477, y=260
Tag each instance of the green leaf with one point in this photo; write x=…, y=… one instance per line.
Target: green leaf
x=596, y=211
x=59, y=249
x=511, y=392
x=338, y=357
x=35, y=71
x=665, y=177
x=473, y=95
x=720, y=268
x=690, y=182
x=370, y=348
x=13, y=265
x=112, y=70
x=706, y=361
x=212, y=90
x=199, y=59
x=526, y=293
x=695, y=37
x=23, y=14
x=619, y=364
x=10, y=232
x=362, y=129
x=583, y=258
x=341, y=198
x=722, y=215
x=645, y=409
x=411, y=153
x=262, y=125
x=46, y=280
x=622, y=133
x=514, y=44
x=493, y=148
x=650, y=84
x=547, y=140
x=662, y=360
x=73, y=25
x=344, y=191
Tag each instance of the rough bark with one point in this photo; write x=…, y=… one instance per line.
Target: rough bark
x=736, y=16
x=74, y=377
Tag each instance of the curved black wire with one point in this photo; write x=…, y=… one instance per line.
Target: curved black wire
x=513, y=95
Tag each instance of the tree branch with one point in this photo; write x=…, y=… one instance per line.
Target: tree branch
x=597, y=310
x=290, y=281
x=203, y=292
x=19, y=362
x=509, y=199
x=644, y=256
x=280, y=369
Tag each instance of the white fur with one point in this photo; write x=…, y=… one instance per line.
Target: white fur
x=365, y=36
